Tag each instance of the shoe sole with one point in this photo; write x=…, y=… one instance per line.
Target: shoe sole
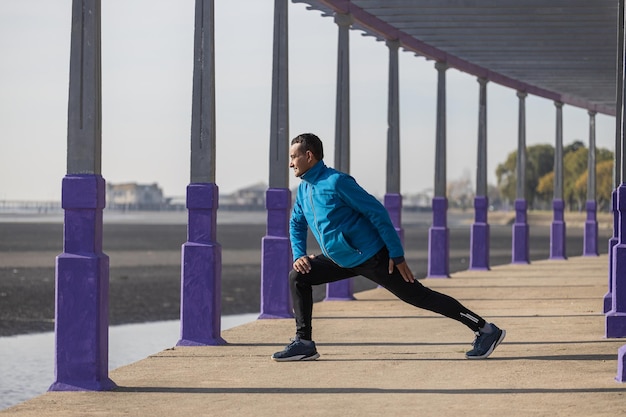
x=297, y=358
x=491, y=349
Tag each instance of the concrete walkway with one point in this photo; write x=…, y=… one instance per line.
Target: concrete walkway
x=380, y=357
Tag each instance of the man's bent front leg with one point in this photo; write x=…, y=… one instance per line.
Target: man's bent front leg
x=302, y=297
x=323, y=271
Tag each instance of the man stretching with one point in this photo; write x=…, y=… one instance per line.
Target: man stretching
x=356, y=237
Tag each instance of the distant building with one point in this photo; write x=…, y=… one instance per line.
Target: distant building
x=133, y=196
x=248, y=198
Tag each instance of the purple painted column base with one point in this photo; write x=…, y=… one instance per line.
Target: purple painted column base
x=82, y=290
x=621, y=364
x=590, y=247
x=340, y=290
x=520, y=252
x=439, y=241
x=615, y=324
x=201, y=275
x=393, y=204
x=276, y=258
x=558, y=231
x=479, y=238
x=608, y=297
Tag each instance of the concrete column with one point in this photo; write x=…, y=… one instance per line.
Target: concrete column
x=438, y=235
x=479, y=239
x=617, y=154
x=616, y=315
x=342, y=290
x=590, y=247
x=201, y=273
x=393, y=198
x=342, y=99
x=520, y=250
x=558, y=228
x=276, y=259
x=82, y=271
x=615, y=324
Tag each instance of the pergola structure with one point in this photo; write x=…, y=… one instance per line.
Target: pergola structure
x=568, y=51
x=562, y=50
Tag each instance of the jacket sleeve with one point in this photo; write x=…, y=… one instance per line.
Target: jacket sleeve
x=366, y=204
x=297, y=231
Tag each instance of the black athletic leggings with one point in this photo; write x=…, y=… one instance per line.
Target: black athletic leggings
x=376, y=269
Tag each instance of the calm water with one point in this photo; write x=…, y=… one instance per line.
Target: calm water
x=27, y=361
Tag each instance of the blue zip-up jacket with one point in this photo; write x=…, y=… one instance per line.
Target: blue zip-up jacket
x=349, y=224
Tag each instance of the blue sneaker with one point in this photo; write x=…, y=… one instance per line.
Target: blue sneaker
x=297, y=350
x=485, y=343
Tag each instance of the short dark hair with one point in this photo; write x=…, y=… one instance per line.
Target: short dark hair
x=310, y=142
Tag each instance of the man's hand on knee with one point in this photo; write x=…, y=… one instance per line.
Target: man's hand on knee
x=303, y=264
x=404, y=270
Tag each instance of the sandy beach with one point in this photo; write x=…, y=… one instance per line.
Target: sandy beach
x=144, y=252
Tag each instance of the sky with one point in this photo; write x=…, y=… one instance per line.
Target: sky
x=147, y=59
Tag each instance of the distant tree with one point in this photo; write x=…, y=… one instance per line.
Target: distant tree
x=575, y=166
x=539, y=162
x=505, y=174
x=545, y=187
x=573, y=147
x=603, y=154
x=604, y=184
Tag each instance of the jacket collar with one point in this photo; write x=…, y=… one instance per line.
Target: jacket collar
x=314, y=172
